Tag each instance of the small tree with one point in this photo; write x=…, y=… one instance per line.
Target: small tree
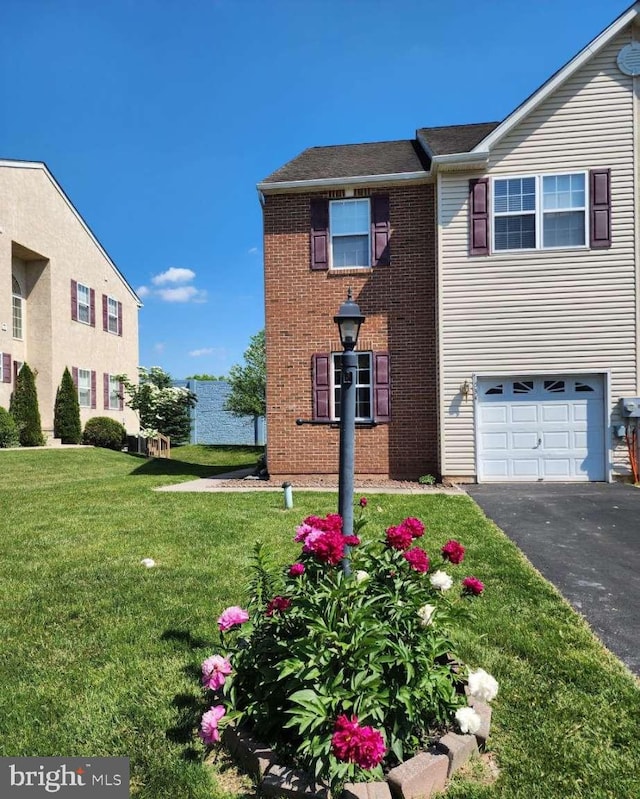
x=248, y=382
x=24, y=409
x=161, y=406
x=8, y=430
x=66, y=413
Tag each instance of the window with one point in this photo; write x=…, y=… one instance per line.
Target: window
x=363, y=385
x=84, y=304
x=349, y=228
x=112, y=315
x=112, y=393
x=84, y=387
x=17, y=309
x=543, y=211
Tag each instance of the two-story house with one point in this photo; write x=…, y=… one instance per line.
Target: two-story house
x=64, y=302
x=497, y=266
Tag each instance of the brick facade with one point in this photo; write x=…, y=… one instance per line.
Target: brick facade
x=399, y=302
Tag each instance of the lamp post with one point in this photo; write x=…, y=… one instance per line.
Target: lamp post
x=348, y=320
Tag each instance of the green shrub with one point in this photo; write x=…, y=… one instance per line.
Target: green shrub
x=8, y=430
x=24, y=409
x=66, y=414
x=104, y=432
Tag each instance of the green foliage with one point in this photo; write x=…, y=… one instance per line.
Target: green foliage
x=66, y=413
x=24, y=409
x=101, y=431
x=347, y=644
x=427, y=480
x=8, y=430
x=161, y=406
x=205, y=377
x=248, y=382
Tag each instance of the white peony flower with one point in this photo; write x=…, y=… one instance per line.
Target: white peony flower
x=441, y=580
x=483, y=685
x=361, y=576
x=426, y=615
x=148, y=562
x=468, y=720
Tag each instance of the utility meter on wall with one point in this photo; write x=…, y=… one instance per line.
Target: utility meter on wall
x=630, y=406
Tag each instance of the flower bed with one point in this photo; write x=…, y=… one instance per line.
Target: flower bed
x=343, y=663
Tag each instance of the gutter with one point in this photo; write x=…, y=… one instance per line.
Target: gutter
x=356, y=180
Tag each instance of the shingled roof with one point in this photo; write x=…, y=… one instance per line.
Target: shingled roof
x=455, y=138
x=380, y=158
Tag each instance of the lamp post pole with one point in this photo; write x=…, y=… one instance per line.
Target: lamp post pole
x=348, y=320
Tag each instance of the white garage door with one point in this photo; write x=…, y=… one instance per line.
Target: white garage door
x=541, y=428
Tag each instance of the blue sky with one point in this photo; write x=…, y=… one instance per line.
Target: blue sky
x=159, y=117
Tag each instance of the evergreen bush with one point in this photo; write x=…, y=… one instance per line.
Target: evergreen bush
x=101, y=431
x=24, y=409
x=8, y=430
x=66, y=414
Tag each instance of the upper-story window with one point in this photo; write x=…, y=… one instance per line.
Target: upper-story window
x=84, y=304
x=540, y=212
x=112, y=315
x=349, y=224
x=17, y=309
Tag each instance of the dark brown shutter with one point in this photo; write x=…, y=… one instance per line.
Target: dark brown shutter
x=479, y=216
x=105, y=312
x=320, y=369
x=381, y=387
x=74, y=375
x=320, y=234
x=105, y=385
x=92, y=307
x=119, y=318
x=600, y=208
x=74, y=300
x=121, y=397
x=6, y=367
x=93, y=389
x=16, y=372
x=380, y=230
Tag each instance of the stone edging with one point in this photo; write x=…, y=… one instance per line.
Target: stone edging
x=420, y=776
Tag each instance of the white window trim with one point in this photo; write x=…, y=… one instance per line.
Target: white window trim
x=87, y=304
x=82, y=387
x=341, y=235
x=115, y=407
x=539, y=212
x=332, y=395
x=113, y=316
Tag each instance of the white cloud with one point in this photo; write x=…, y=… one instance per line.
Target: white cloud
x=253, y=251
x=173, y=275
x=203, y=351
x=181, y=294
x=159, y=347
x=143, y=291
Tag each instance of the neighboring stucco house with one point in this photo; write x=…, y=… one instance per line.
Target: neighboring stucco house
x=497, y=265
x=64, y=303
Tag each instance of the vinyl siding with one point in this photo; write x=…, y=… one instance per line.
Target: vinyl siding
x=545, y=311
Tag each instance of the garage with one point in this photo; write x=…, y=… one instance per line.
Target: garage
x=541, y=427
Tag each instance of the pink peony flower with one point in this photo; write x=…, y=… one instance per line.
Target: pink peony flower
x=363, y=502
x=352, y=743
x=296, y=569
x=472, y=585
x=453, y=551
x=209, y=725
x=232, y=616
x=417, y=559
x=214, y=672
x=399, y=537
x=414, y=525
x=279, y=604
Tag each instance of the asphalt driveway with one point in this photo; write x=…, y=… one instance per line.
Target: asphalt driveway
x=585, y=539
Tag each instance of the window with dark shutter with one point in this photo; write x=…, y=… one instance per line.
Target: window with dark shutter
x=479, y=216
x=321, y=377
x=380, y=230
x=319, y=234
x=381, y=387
x=600, y=208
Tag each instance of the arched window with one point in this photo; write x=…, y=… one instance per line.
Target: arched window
x=18, y=308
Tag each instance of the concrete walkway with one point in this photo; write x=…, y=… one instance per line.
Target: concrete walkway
x=585, y=539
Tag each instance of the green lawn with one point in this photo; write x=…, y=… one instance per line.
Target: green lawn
x=101, y=656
